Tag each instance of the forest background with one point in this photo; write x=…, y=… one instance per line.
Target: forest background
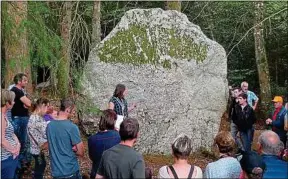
x=51, y=41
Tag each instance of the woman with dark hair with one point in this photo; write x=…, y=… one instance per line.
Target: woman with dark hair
x=119, y=104
x=10, y=145
x=106, y=138
x=37, y=135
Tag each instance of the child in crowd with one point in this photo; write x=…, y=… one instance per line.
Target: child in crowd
x=51, y=114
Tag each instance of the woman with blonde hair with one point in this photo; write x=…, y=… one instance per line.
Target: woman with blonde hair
x=181, y=149
x=226, y=166
x=37, y=135
x=10, y=145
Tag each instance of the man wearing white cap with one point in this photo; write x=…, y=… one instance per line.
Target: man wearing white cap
x=277, y=118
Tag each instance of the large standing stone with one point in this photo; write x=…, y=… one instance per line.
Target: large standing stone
x=172, y=70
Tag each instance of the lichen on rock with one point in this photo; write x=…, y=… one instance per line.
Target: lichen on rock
x=141, y=44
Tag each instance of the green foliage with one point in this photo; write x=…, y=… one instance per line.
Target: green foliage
x=44, y=42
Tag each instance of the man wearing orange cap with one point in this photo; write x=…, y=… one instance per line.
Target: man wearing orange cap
x=277, y=121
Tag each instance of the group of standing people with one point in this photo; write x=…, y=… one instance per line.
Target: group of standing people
x=25, y=137
x=242, y=117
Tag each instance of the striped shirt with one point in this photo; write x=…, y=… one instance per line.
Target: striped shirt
x=9, y=133
x=120, y=106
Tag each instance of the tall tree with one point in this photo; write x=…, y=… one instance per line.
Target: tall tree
x=96, y=25
x=64, y=63
x=173, y=5
x=260, y=55
x=15, y=42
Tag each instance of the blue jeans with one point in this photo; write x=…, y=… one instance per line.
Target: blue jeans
x=76, y=175
x=247, y=139
x=39, y=166
x=8, y=167
x=20, y=129
x=234, y=131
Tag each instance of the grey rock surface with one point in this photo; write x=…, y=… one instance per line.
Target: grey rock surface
x=175, y=74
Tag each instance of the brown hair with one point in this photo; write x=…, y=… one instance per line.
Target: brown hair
x=129, y=129
x=107, y=120
x=18, y=77
x=7, y=97
x=243, y=95
x=66, y=103
x=225, y=142
x=119, y=90
x=39, y=102
x=50, y=110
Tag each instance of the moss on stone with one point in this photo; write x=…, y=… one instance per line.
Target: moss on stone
x=143, y=45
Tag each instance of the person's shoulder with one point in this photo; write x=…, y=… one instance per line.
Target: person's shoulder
x=163, y=170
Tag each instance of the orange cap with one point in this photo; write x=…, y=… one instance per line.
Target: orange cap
x=278, y=99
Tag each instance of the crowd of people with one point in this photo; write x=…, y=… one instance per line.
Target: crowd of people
x=25, y=137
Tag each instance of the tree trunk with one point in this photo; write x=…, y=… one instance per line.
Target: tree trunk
x=16, y=44
x=173, y=5
x=64, y=64
x=260, y=55
x=96, y=25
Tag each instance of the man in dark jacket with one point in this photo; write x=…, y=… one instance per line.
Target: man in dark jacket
x=234, y=102
x=244, y=118
x=276, y=119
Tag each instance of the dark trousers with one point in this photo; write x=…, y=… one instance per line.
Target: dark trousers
x=8, y=168
x=39, y=166
x=247, y=139
x=76, y=175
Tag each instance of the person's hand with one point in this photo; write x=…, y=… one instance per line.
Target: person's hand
x=15, y=151
x=254, y=107
x=268, y=121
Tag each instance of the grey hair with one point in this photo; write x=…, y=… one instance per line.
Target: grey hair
x=270, y=143
x=182, y=147
x=244, y=82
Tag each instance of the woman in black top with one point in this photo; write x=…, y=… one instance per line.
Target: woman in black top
x=118, y=103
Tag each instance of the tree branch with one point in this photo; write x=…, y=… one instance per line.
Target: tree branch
x=253, y=28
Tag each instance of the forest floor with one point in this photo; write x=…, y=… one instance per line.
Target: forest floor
x=200, y=158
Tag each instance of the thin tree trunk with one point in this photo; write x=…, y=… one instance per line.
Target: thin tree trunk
x=64, y=64
x=96, y=25
x=260, y=55
x=173, y=5
x=16, y=44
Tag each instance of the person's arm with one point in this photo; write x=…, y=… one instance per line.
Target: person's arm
x=256, y=99
x=253, y=118
x=76, y=141
x=26, y=101
x=111, y=105
x=80, y=149
x=100, y=171
x=139, y=169
x=4, y=143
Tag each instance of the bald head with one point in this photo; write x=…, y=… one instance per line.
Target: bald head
x=270, y=143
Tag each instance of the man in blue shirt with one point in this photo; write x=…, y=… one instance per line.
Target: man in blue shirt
x=270, y=147
x=64, y=143
x=251, y=96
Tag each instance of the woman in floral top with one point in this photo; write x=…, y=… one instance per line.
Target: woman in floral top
x=37, y=135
